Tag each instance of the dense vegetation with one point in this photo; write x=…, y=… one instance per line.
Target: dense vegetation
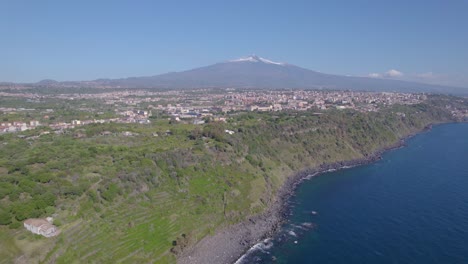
x=146, y=196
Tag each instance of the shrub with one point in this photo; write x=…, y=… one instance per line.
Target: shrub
x=5, y=217
x=15, y=225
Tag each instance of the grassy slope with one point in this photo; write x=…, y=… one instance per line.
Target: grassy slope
x=135, y=195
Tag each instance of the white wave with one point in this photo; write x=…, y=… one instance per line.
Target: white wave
x=299, y=227
x=262, y=246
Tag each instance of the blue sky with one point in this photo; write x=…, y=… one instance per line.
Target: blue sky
x=83, y=40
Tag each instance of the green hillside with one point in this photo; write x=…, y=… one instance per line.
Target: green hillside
x=143, y=196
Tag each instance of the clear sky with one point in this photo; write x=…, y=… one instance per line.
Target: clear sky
x=84, y=40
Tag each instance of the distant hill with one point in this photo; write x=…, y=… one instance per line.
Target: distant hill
x=256, y=72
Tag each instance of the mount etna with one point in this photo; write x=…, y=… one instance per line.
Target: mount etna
x=257, y=73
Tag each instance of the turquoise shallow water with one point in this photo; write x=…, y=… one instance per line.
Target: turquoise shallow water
x=409, y=207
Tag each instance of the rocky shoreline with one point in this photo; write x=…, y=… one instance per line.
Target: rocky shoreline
x=231, y=243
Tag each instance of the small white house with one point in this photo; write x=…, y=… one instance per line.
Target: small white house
x=41, y=226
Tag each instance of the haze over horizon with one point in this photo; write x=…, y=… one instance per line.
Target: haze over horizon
x=419, y=41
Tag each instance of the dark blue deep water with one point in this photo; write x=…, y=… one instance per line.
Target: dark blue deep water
x=409, y=207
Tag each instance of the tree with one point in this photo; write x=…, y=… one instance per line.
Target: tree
x=196, y=133
x=24, y=211
x=214, y=130
x=5, y=217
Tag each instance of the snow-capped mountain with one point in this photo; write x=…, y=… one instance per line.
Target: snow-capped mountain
x=255, y=58
x=256, y=72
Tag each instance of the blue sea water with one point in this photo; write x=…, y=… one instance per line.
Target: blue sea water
x=409, y=207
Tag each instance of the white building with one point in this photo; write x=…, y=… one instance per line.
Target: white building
x=41, y=227
x=34, y=123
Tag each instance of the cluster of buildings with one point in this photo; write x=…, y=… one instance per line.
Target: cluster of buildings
x=460, y=114
x=134, y=116
x=128, y=116
x=198, y=104
x=303, y=100
x=18, y=126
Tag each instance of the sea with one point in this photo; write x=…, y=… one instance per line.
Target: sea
x=409, y=207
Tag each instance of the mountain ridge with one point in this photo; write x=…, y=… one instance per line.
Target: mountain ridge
x=259, y=73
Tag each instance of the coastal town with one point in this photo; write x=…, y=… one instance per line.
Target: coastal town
x=193, y=106
x=233, y=132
